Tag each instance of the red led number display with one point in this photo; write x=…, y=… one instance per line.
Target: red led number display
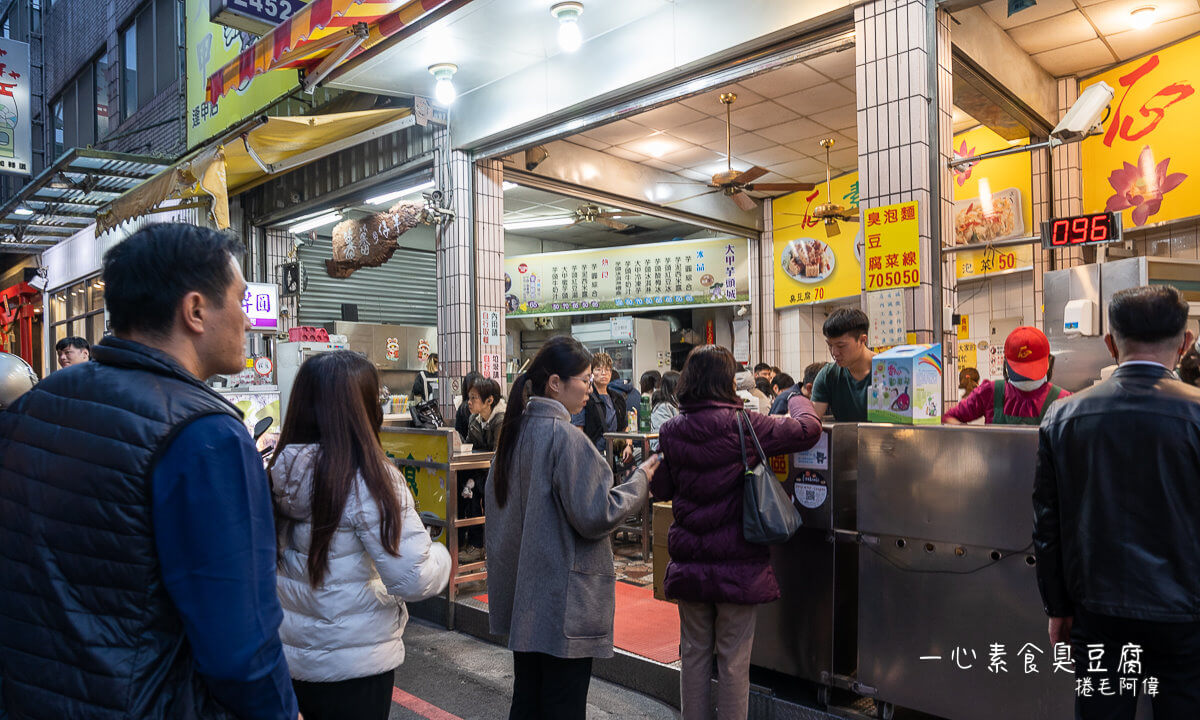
x=1085, y=229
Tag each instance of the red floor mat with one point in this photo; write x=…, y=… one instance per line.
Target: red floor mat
x=643, y=625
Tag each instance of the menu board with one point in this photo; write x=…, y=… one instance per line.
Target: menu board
x=633, y=278
x=893, y=249
x=811, y=266
x=992, y=202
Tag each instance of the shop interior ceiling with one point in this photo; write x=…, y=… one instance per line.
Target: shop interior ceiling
x=778, y=120
x=1079, y=37
x=525, y=204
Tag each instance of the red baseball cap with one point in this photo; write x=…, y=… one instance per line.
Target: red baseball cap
x=1028, y=352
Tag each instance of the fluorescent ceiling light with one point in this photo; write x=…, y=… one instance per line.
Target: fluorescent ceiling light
x=22, y=211
x=508, y=186
x=570, y=38
x=314, y=223
x=381, y=199
x=540, y=223
x=1143, y=17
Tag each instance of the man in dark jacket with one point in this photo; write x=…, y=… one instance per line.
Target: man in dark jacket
x=605, y=411
x=462, y=416
x=138, y=573
x=1117, y=514
x=785, y=387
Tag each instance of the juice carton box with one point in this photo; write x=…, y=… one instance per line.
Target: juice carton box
x=906, y=386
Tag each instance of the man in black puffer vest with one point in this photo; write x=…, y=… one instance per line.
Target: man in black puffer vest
x=137, y=549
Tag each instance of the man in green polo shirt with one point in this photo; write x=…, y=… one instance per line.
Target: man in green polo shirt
x=842, y=386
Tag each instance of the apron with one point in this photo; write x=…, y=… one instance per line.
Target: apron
x=998, y=416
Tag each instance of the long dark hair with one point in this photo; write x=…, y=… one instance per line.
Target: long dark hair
x=563, y=356
x=335, y=404
x=708, y=376
x=666, y=390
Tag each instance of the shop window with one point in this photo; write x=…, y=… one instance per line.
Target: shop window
x=150, y=55
x=78, y=311
x=79, y=115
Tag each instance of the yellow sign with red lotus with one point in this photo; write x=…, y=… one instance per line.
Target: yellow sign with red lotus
x=810, y=265
x=1144, y=162
x=992, y=201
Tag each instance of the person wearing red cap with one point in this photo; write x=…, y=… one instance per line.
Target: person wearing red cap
x=1025, y=393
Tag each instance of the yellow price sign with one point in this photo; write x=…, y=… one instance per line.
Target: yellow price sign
x=893, y=246
x=811, y=266
x=967, y=354
x=992, y=261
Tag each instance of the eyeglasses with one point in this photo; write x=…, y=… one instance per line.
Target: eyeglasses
x=602, y=371
x=585, y=379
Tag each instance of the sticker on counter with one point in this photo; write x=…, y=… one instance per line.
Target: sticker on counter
x=816, y=457
x=811, y=489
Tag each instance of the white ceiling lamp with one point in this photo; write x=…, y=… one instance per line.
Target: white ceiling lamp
x=443, y=90
x=540, y=223
x=1143, y=17
x=22, y=210
x=382, y=199
x=313, y=223
x=506, y=186
x=569, y=36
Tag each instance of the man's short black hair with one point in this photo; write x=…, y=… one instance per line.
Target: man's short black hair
x=846, y=321
x=782, y=382
x=76, y=342
x=1149, y=314
x=469, y=380
x=811, y=372
x=147, y=275
x=760, y=367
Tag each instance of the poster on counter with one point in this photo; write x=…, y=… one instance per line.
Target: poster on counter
x=809, y=266
x=1144, y=162
x=633, y=278
x=893, y=249
x=993, y=201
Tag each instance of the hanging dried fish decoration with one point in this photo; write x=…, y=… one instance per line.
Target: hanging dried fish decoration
x=370, y=242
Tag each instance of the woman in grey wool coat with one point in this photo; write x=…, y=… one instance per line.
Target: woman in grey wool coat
x=551, y=508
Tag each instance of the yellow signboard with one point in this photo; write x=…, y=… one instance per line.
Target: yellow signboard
x=967, y=354
x=810, y=266
x=893, y=248
x=427, y=484
x=992, y=201
x=1144, y=162
x=209, y=47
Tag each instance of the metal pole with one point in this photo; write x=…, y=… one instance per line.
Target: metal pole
x=935, y=169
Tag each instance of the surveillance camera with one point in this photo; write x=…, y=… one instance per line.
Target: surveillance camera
x=535, y=155
x=1085, y=114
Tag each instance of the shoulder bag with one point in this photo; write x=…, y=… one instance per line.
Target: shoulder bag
x=768, y=515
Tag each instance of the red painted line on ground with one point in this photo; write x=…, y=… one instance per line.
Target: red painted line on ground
x=420, y=707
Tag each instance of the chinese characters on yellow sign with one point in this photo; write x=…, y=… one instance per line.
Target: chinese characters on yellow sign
x=991, y=203
x=810, y=266
x=1144, y=161
x=893, y=246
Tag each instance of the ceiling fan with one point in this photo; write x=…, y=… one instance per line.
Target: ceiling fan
x=594, y=214
x=831, y=212
x=735, y=185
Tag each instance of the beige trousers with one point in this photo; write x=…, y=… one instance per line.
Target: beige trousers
x=728, y=631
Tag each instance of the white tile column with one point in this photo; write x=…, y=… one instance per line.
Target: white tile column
x=764, y=325
x=894, y=95
x=470, y=264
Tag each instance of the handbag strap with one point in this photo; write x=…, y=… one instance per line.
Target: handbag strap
x=742, y=439
x=762, y=455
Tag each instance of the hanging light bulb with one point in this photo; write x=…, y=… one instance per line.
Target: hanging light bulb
x=569, y=35
x=443, y=90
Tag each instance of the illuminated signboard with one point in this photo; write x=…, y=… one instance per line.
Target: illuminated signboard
x=262, y=306
x=1090, y=229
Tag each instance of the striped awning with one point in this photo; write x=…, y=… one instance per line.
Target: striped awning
x=319, y=29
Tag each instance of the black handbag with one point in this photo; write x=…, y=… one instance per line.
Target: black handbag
x=768, y=515
x=426, y=415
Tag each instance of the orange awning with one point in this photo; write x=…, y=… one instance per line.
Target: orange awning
x=319, y=29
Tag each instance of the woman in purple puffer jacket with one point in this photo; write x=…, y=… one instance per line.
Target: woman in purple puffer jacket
x=716, y=575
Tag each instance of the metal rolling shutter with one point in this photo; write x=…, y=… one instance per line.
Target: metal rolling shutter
x=403, y=291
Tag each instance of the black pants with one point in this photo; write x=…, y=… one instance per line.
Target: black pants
x=368, y=698
x=1170, y=653
x=549, y=688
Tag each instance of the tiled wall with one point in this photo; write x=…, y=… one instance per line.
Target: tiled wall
x=1009, y=296
x=489, y=250
x=764, y=321
x=453, y=174
x=891, y=66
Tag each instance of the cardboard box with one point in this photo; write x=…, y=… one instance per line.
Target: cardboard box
x=661, y=520
x=906, y=386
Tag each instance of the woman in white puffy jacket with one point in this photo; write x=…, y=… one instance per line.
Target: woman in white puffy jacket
x=352, y=548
